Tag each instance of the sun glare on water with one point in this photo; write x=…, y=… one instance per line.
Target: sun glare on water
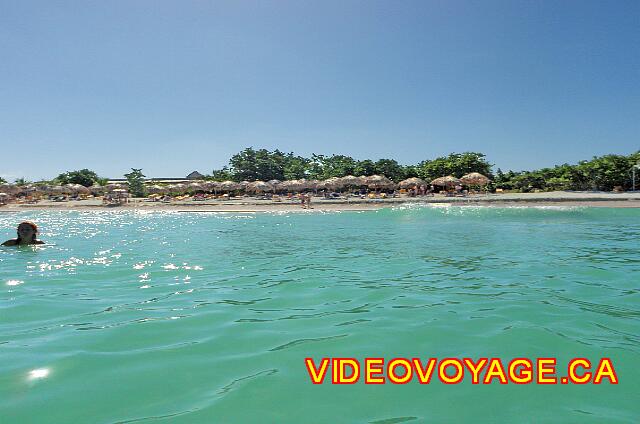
x=38, y=373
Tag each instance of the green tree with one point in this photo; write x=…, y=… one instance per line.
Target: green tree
x=456, y=164
x=2, y=181
x=599, y=173
x=337, y=166
x=365, y=167
x=390, y=169
x=605, y=172
x=295, y=167
x=252, y=165
x=315, y=167
x=223, y=174
x=21, y=182
x=83, y=177
x=135, y=178
x=411, y=171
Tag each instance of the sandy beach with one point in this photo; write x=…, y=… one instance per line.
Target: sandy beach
x=249, y=204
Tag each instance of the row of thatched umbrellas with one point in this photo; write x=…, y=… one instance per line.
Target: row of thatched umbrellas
x=29, y=189
x=372, y=182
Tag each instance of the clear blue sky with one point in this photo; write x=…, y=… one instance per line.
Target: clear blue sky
x=174, y=86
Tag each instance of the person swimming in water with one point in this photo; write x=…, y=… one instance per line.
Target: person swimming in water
x=27, y=232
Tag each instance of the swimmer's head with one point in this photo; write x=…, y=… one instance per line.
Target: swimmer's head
x=27, y=231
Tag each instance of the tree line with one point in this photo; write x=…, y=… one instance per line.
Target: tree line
x=604, y=173
x=600, y=173
x=265, y=165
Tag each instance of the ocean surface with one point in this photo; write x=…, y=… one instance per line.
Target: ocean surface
x=170, y=317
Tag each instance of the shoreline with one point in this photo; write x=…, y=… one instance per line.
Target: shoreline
x=564, y=199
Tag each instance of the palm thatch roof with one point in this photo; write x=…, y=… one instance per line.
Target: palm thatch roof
x=475, y=178
x=412, y=182
x=447, y=181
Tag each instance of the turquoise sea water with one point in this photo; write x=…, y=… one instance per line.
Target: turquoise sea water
x=207, y=318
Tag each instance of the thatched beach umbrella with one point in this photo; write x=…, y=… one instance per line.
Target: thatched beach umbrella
x=7, y=188
x=350, y=181
x=412, y=182
x=77, y=189
x=333, y=183
x=314, y=184
x=41, y=189
x=474, y=178
x=156, y=189
x=65, y=189
x=211, y=186
x=304, y=184
x=229, y=186
x=178, y=188
x=285, y=185
x=96, y=189
x=24, y=190
x=112, y=186
x=258, y=187
x=57, y=189
x=294, y=185
x=195, y=186
x=275, y=184
x=289, y=185
x=378, y=181
x=448, y=181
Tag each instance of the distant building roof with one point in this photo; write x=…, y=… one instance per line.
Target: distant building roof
x=195, y=175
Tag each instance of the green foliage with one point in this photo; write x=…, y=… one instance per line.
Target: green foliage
x=21, y=182
x=2, y=181
x=411, y=171
x=337, y=166
x=83, y=177
x=365, y=167
x=600, y=173
x=456, y=164
x=251, y=165
x=295, y=167
x=135, y=178
x=223, y=174
x=390, y=169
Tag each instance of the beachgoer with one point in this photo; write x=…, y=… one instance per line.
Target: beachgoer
x=302, y=201
x=308, y=201
x=27, y=232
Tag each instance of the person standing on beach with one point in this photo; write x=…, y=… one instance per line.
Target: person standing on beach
x=308, y=201
x=302, y=200
x=27, y=232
